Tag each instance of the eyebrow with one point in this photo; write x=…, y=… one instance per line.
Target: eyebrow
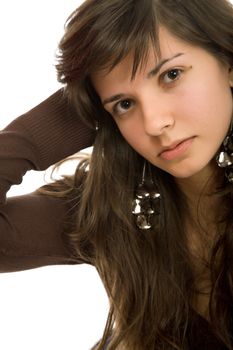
x=151, y=74
x=157, y=68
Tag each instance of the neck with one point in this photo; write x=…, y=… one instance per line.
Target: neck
x=201, y=184
x=199, y=191
x=205, y=210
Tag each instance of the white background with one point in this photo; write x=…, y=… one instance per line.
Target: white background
x=58, y=307
x=50, y=308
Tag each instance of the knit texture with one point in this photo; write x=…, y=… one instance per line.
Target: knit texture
x=39, y=138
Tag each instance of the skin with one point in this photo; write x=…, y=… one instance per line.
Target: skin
x=188, y=97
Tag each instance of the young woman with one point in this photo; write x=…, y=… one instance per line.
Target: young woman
x=152, y=207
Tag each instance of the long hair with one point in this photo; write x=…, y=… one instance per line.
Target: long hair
x=148, y=275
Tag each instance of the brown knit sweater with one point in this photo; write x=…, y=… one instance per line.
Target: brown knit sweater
x=30, y=225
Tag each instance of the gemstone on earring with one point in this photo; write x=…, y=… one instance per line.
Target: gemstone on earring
x=228, y=144
x=149, y=211
x=229, y=174
x=143, y=222
x=142, y=192
x=148, y=208
x=223, y=159
x=155, y=195
x=136, y=207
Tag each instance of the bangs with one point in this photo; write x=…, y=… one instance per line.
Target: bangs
x=138, y=45
x=134, y=32
x=109, y=33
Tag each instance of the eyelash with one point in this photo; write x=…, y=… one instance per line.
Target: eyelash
x=162, y=76
x=161, y=80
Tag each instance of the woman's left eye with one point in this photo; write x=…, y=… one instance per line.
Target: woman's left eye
x=171, y=75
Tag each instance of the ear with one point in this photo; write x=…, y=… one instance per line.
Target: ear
x=231, y=76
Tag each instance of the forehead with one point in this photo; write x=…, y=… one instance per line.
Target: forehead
x=169, y=46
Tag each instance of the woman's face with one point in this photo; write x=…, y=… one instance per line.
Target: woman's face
x=175, y=112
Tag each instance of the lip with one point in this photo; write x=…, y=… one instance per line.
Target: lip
x=176, y=149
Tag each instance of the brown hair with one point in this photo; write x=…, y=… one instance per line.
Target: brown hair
x=148, y=275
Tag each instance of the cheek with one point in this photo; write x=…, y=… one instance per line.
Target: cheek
x=210, y=105
x=132, y=133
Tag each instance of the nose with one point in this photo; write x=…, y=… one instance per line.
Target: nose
x=157, y=117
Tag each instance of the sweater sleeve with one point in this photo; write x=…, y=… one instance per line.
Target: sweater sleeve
x=31, y=226
x=31, y=233
x=43, y=136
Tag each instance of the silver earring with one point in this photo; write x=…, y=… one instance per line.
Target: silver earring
x=147, y=200
x=225, y=157
x=96, y=126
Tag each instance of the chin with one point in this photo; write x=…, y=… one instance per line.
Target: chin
x=183, y=175
x=202, y=171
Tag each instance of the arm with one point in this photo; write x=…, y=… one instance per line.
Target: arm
x=31, y=225
x=31, y=228
x=43, y=136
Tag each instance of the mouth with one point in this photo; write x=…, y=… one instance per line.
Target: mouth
x=176, y=149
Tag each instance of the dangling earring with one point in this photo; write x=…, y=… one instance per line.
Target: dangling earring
x=96, y=126
x=225, y=157
x=146, y=203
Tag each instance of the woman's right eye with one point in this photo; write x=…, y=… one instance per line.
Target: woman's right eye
x=122, y=107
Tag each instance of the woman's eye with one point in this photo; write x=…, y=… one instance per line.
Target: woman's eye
x=171, y=75
x=122, y=107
